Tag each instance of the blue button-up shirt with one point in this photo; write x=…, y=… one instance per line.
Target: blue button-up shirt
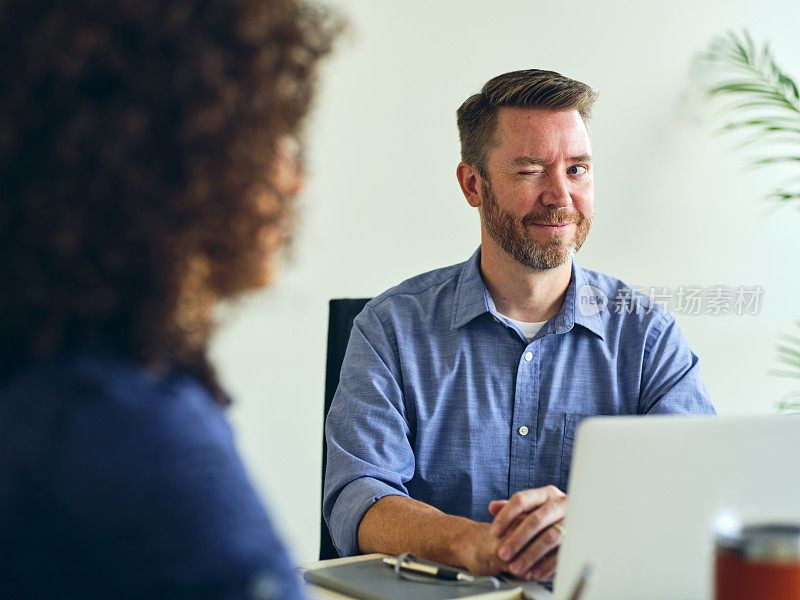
x=442, y=399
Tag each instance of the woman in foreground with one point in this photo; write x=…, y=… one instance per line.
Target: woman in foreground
x=147, y=166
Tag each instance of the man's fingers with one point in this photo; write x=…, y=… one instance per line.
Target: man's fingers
x=546, y=567
x=496, y=505
x=537, y=552
x=522, y=502
x=532, y=525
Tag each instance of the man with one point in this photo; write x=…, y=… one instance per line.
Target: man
x=451, y=432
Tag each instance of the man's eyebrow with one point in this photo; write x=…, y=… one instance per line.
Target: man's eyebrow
x=521, y=161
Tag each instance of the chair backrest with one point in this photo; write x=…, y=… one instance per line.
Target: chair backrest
x=340, y=322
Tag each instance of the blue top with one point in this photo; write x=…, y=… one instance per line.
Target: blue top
x=442, y=399
x=116, y=483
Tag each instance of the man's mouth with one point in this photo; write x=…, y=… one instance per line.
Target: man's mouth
x=553, y=225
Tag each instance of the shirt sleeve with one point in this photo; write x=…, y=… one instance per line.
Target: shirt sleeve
x=671, y=381
x=158, y=503
x=369, y=450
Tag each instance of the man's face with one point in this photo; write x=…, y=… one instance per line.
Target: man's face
x=538, y=201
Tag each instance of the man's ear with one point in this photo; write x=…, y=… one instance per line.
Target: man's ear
x=470, y=181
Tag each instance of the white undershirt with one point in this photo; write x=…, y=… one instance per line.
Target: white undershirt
x=529, y=330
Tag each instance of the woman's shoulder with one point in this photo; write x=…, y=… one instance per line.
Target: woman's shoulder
x=101, y=385
x=123, y=454
x=89, y=412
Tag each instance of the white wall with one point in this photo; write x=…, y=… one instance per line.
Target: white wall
x=674, y=204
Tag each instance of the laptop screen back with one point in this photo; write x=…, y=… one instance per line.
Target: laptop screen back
x=647, y=493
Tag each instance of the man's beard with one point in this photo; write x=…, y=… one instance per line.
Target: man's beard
x=514, y=238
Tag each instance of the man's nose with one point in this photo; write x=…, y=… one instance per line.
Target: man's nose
x=557, y=191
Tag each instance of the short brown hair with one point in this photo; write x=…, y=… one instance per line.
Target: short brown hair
x=531, y=88
x=138, y=145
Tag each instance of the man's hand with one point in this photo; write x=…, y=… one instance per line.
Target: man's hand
x=523, y=526
x=396, y=524
x=478, y=551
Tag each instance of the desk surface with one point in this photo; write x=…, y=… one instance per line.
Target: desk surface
x=315, y=592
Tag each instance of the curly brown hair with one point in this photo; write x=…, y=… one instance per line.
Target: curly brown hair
x=139, y=144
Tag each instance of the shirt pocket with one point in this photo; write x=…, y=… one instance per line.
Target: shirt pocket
x=571, y=422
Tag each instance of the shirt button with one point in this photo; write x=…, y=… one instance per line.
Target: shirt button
x=528, y=358
x=523, y=430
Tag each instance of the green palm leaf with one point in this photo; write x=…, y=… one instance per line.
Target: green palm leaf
x=765, y=102
x=789, y=355
x=790, y=403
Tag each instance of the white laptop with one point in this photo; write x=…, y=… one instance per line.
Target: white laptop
x=645, y=495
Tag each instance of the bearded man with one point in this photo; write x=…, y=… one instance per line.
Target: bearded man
x=451, y=432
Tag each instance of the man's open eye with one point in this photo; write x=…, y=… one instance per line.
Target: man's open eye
x=578, y=170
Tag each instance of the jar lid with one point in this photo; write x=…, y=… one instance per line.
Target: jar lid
x=764, y=543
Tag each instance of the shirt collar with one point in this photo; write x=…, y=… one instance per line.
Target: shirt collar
x=571, y=313
x=471, y=300
x=470, y=297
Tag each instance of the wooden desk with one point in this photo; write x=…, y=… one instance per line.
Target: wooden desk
x=314, y=592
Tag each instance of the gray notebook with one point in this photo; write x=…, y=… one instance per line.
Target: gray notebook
x=373, y=580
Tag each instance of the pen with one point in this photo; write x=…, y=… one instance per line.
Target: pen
x=586, y=575
x=431, y=570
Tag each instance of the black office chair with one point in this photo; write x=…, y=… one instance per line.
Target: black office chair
x=340, y=322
